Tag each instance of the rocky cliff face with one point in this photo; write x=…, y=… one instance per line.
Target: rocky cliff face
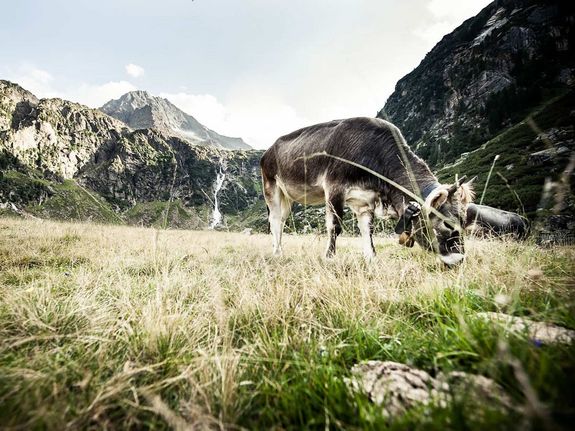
x=51, y=143
x=485, y=76
x=54, y=136
x=141, y=110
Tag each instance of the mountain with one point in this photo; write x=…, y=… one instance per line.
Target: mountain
x=495, y=98
x=498, y=93
x=59, y=159
x=485, y=76
x=141, y=110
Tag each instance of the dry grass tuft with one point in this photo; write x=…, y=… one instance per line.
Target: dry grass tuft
x=116, y=327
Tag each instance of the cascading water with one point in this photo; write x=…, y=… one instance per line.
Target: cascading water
x=220, y=177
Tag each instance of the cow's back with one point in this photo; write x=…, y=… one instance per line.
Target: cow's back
x=370, y=142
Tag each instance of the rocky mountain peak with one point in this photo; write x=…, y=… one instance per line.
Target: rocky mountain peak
x=132, y=100
x=141, y=110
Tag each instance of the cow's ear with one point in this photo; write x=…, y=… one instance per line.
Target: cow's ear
x=406, y=239
x=466, y=192
x=437, y=197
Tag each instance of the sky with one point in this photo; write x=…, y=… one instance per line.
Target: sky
x=257, y=69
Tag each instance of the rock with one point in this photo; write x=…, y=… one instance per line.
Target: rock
x=397, y=388
x=539, y=332
x=545, y=156
x=480, y=389
x=247, y=231
x=557, y=229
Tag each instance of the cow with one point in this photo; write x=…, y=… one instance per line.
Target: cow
x=488, y=221
x=363, y=163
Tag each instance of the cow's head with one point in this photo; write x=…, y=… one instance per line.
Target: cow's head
x=437, y=226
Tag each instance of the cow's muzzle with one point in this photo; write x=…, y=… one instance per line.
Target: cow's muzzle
x=452, y=259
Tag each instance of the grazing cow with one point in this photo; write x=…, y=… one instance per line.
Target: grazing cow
x=486, y=220
x=327, y=163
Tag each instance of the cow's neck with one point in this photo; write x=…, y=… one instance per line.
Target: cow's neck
x=426, y=185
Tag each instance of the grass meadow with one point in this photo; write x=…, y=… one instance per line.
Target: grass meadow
x=114, y=327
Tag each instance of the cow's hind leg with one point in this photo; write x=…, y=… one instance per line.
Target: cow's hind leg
x=333, y=216
x=279, y=207
x=365, y=222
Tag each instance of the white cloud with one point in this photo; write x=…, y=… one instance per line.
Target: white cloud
x=43, y=85
x=261, y=124
x=446, y=15
x=259, y=120
x=36, y=80
x=456, y=10
x=433, y=33
x=203, y=107
x=134, y=70
x=95, y=96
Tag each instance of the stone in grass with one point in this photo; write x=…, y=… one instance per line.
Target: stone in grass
x=397, y=388
x=478, y=389
x=539, y=332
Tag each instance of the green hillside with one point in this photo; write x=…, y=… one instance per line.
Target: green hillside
x=518, y=177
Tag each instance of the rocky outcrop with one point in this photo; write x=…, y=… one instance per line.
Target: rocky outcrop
x=14, y=103
x=57, y=140
x=560, y=141
x=141, y=110
x=538, y=332
x=398, y=388
x=485, y=76
x=147, y=165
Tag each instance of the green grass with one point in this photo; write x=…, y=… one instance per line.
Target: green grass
x=53, y=200
x=516, y=184
x=167, y=214
x=128, y=328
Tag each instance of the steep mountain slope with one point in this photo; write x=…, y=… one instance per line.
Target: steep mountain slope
x=486, y=75
x=496, y=99
x=532, y=162
x=63, y=160
x=141, y=110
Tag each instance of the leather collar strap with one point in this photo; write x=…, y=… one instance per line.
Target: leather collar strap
x=406, y=220
x=426, y=191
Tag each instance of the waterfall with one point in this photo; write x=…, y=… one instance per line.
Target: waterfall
x=220, y=177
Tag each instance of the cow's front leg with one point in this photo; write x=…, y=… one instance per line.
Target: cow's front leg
x=364, y=220
x=333, y=216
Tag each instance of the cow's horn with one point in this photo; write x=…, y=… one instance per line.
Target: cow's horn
x=457, y=183
x=472, y=180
